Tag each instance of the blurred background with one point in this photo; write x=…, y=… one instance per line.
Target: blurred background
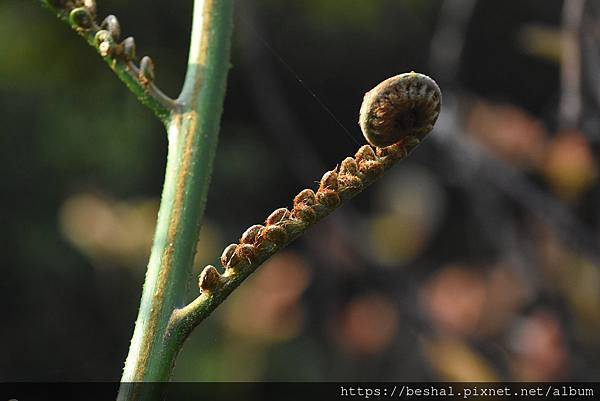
x=476, y=259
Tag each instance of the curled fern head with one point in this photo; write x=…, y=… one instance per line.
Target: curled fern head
x=406, y=105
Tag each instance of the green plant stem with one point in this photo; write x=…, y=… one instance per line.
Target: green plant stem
x=193, y=133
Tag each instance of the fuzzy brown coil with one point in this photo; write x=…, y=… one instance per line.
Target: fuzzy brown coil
x=401, y=106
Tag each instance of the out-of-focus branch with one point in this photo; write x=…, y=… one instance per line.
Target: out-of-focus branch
x=590, y=66
x=449, y=39
x=570, y=66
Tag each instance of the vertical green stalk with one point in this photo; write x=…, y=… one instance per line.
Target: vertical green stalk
x=193, y=132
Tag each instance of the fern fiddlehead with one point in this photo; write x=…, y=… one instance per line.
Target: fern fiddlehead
x=394, y=117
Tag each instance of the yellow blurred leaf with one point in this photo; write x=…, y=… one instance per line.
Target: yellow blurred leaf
x=455, y=360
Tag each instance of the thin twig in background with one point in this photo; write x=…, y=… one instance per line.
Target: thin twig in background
x=570, y=67
x=449, y=39
x=590, y=65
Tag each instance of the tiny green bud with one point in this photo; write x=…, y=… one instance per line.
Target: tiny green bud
x=81, y=18
x=111, y=24
x=129, y=48
x=102, y=36
x=146, y=74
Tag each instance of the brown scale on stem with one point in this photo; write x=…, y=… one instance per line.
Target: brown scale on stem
x=249, y=236
x=243, y=253
x=277, y=216
x=227, y=255
x=394, y=117
x=348, y=167
x=305, y=197
x=275, y=234
x=303, y=206
x=368, y=162
x=327, y=195
x=328, y=198
x=209, y=279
